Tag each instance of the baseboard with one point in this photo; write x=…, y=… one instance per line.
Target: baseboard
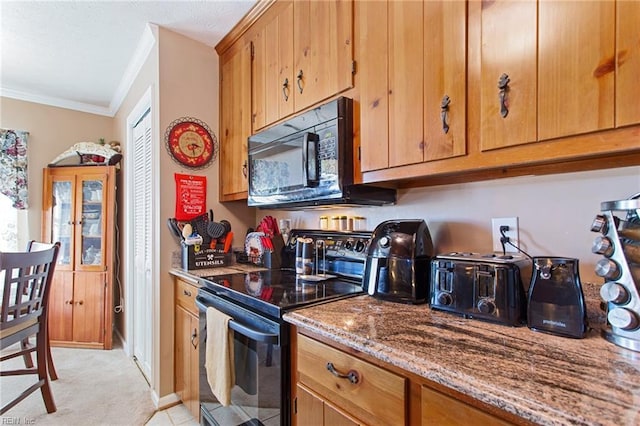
x=123, y=343
x=166, y=401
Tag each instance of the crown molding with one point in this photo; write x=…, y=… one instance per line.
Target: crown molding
x=145, y=45
x=56, y=102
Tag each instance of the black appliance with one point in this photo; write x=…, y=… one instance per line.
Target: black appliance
x=399, y=260
x=556, y=302
x=488, y=287
x=308, y=161
x=256, y=301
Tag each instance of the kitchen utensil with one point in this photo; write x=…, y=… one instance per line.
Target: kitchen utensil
x=556, y=303
x=187, y=230
x=173, y=227
x=304, y=256
x=199, y=224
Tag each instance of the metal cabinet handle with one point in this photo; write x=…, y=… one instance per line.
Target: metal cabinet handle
x=352, y=375
x=444, y=113
x=186, y=292
x=194, y=338
x=285, y=89
x=68, y=302
x=79, y=303
x=299, y=77
x=503, y=85
x=244, y=169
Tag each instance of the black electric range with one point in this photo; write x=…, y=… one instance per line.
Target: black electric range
x=338, y=273
x=255, y=303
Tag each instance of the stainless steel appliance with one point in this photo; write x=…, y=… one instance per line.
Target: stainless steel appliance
x=308, y=161
x=488, y=287
x=619, y=244
x=556, y=303
x=256, y=302
x=398, y=261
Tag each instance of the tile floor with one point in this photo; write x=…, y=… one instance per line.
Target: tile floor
x=176, y=415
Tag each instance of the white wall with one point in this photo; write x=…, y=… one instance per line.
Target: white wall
x=555, y=212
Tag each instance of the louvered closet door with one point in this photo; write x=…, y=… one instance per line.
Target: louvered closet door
x=142, y=286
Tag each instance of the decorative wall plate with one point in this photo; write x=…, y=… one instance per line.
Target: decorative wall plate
x=191, y=143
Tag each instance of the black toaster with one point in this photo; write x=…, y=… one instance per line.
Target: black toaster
x=488, y=287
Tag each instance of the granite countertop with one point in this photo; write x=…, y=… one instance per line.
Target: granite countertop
x=543, y=378
x=235, y=268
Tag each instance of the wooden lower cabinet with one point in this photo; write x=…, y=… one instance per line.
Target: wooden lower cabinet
x=77, y=309
x=187, y=339
x=441, y=409
x=313, y=410
x=338, y=386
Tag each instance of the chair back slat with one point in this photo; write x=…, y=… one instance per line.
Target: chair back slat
x=26, y=279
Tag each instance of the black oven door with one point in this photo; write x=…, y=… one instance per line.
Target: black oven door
x=261, y=394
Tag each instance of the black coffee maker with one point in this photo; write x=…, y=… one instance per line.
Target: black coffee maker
x=556, y=302
x=399, y=261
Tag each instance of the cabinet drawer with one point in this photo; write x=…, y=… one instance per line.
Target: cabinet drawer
x=377, y=395
x=440, y=409
x=186, y=295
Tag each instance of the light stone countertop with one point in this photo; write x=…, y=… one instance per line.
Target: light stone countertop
x=543, y=378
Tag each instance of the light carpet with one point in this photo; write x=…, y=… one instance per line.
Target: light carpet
x=94, y=387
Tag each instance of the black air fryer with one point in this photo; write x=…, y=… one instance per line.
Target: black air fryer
x=399, y=261
x=556, y=302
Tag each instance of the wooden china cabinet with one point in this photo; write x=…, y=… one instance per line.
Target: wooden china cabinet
x=79, y=212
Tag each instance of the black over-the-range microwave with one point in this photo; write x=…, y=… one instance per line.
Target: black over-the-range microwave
x=308, y=161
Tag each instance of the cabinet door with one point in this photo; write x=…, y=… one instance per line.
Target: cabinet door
x=311, y=410
x=508, y=51
x=272, y=65
x=89, y=307
x=90, y=241
x=406, y=74
x=576, y=67
x=445, y=74
x=59, y=216
x=61, y=306
x=323, y=50
x=372, y=80
x=440, y=409
x=628, y=63
x=235, y=107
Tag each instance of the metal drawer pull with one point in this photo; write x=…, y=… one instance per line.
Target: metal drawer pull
x=444, y=112
x=352, y=375
x=186, y=293
x=285, y=89
x=299, y=77
x=503, y=85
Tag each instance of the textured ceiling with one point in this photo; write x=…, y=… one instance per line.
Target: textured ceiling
x=78, y=52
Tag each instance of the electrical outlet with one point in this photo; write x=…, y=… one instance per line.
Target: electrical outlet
x=512, y=233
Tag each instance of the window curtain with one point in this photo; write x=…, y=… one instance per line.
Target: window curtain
x=13, y=166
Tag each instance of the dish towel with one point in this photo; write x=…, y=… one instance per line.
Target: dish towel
x=219, y=355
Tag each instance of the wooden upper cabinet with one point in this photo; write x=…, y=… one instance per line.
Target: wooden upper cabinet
x=235, y=118
x=445, y=75
x=411, y=55
x=323, y=50
x=576, y=67
x=508, y=56
x=406, y=86
x=372, y=81
x=628, y=63
x=302, y=54
x=272, y=65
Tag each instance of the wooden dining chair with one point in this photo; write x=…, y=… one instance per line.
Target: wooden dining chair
x=34, y=245
x=26, y=282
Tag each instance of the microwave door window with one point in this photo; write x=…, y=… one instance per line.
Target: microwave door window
x=278, y=167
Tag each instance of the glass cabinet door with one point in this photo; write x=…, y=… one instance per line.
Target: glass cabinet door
x=62, y=219
x=92, y=222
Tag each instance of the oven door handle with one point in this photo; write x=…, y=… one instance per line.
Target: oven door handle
x=249, y=332
x=252, y=334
